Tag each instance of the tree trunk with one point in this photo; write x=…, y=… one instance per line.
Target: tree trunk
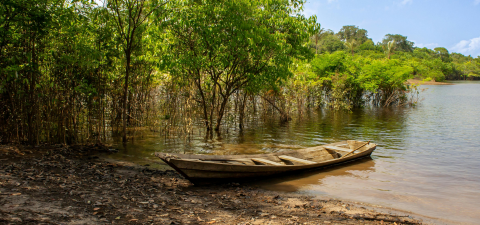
x=204, y=105
x=242, y=111
x=125, y=96
x=221, y=112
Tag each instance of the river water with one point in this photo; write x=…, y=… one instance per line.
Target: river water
x=427, y=160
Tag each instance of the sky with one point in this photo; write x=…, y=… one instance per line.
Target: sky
x=453, y=24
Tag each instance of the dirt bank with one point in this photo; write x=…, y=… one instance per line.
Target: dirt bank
x=416, y=81
x=66, y=185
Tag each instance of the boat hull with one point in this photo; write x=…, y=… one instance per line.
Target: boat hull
x=199, y=172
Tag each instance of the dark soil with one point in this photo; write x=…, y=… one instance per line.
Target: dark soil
x=67, y=185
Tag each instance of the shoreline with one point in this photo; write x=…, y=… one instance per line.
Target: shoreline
x=420, y=82
x=71, y=185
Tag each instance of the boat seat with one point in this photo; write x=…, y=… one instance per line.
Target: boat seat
x=267, y=162
x=297, y=160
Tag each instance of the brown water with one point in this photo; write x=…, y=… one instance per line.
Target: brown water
x=427, y=160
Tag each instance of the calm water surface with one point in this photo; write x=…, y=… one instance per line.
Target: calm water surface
x=427, y=160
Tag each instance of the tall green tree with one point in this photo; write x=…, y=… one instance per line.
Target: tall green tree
x=389, y=48
x=24, y=26
x=329, y=42
x=350, y=32
x=223, y=46
x=401, y=42
x=131, y=19
x=443, y=54
x=351, y=45
x=317, y=37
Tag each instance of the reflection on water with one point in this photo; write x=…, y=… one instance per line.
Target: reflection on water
x=427, y=159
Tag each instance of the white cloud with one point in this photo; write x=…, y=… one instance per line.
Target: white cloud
x=404, y=2
x=476, y=2
x=468, y=47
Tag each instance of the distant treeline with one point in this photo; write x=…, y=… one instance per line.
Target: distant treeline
x=74, y=71
x=349, y=70
x=437, y=64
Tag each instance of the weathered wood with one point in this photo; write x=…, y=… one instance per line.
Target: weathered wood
x=355, y=149
x=218, y=168
x=244, y=161
x=235, y=161
x=293, y=159
x=267, y=162
x=335, y=148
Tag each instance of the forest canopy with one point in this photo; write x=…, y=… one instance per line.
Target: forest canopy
x=75, y=71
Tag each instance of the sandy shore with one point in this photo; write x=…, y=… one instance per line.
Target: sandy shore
x=68, y=185
x=416, y=81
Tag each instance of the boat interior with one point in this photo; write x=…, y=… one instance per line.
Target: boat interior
x=296, y=157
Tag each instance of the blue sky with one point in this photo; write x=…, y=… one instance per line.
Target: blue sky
x=452, y=24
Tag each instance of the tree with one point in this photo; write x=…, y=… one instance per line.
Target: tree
x=317, y=37
x=351, y=32
x=471, y=69
x=130, y=18
x=368, y=45
x=330, y=42
x=443, y=54
x=401, y=42
x=351, y=45
x=223, y=46
x=24, y=24
x=389, y=49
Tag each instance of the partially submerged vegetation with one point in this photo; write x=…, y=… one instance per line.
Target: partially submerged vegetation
x=81, y=72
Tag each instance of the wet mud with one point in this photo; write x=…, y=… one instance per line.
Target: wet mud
x=70, y=185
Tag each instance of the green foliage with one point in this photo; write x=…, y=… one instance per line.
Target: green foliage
x=389, y=48
x=400, y=41
x=384, y=75
x=368, y=45
x=63, y=61
x=329, y=42
x=356, y=81
x=223, y=46
x=72, y=70
x=443, y=54
x=349, y=33
x=351, y=45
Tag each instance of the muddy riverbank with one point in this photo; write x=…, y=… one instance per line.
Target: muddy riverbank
x=67, y=185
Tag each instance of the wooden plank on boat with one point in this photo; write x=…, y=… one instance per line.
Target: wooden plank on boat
x=293, y=159
x=244, y=161
x=267, y=162
x=335, y=148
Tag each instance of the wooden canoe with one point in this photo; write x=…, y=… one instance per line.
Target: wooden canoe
x=222, y=168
